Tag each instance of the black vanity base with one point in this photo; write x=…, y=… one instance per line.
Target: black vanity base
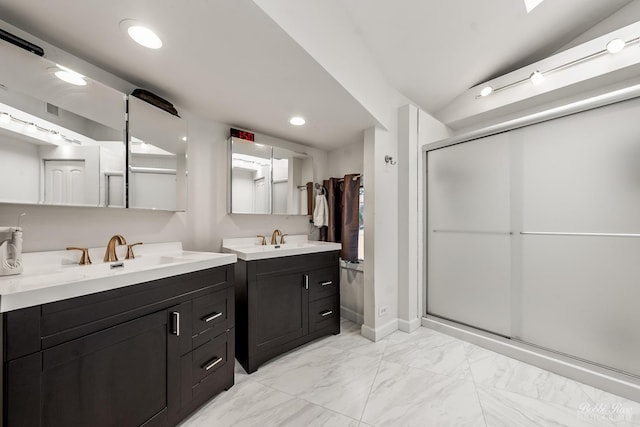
x=282, y=303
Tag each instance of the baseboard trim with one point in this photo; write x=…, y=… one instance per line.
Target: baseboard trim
x=380, y=332
x=349, y=314
x=595, y=376
x=409, y=326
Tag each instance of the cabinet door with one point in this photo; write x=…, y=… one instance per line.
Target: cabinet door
x=121, y=376
x=280, y=304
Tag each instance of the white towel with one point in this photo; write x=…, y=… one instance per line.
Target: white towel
x=321, y=212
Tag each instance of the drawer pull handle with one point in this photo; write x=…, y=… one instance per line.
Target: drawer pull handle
x=326, y=313
x=175, y=323
x=211, y=317
x=206, y=366
x=326, y=283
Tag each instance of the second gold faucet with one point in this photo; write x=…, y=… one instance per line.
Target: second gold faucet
x=110, y=254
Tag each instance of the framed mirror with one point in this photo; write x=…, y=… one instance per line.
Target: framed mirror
x=267, y=180
x=61, y=135
x=157, y=166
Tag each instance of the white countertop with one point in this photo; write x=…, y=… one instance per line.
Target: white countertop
x=55, y=276
x=249, y=248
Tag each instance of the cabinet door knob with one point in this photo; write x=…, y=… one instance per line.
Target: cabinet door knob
x=326, y=313
x=326, y=283
x=210, y=364
x=175, y=323
x=211, y=317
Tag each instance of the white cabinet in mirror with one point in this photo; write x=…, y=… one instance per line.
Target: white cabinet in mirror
x=60, y=144
x=267, y=180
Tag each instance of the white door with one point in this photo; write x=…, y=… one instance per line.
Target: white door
x=65, y=182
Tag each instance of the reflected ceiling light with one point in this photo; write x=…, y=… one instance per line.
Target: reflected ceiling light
x=486, y=91
x=184, y=138
x=68, y=75
x=31, y=128
x=536, y=77
x=615, y=45
x=56, y=136
x=297, y=121
x=5, y=117
x=531, y=4
x=141, y=34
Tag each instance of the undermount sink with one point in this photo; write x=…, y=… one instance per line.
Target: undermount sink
x=56, y=275
x=249, y=248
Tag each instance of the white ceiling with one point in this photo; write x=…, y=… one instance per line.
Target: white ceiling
x=225, y=60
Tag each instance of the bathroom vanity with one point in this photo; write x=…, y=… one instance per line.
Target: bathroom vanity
x=286, y=295
x=145, y=345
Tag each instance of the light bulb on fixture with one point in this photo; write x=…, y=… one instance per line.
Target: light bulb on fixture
x=297, y=121
x=141, y=34
x=486, y=91
x=5, y=117
x=536, y=77
x=69, y=76
x=615, y=45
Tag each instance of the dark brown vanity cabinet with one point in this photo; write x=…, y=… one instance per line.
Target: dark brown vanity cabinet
x=147, y=354
x=282, y=303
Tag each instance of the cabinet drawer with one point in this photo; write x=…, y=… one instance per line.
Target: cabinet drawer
x=324, y=313
x=209, y=357
x=214, y=310
x=322, y=283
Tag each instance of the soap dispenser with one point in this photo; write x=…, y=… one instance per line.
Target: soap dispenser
x=10, y=250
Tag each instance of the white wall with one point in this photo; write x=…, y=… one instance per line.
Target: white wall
x=345, y=160
x=20, y=170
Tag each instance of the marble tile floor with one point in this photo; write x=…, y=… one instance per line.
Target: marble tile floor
x=421, y=379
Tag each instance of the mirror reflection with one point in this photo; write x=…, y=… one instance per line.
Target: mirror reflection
x=60, y=143
x=268, y=180
x=157, y=172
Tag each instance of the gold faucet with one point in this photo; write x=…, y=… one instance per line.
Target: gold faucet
x=84, y=258
x=274, y=236
x=110, y=255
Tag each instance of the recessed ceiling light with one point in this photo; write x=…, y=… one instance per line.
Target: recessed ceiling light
x=69, y=76
x=141, y=34
x=184, y=138
x=486, y=91
x=536, y=78
x=297, y=121
x=615, y=45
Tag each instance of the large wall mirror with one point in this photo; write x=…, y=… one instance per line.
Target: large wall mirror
x=61, y=141
x=157, y=172
x=267, y=180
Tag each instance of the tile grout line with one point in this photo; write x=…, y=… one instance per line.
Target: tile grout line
x=375, y=377
x=475, y=386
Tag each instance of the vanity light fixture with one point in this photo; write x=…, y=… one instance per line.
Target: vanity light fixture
x=31, y=127
x=297, y=121
x=486, y=91
x=141, y=34
x=537, y=77
x=68, y=75
x=615, y=45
